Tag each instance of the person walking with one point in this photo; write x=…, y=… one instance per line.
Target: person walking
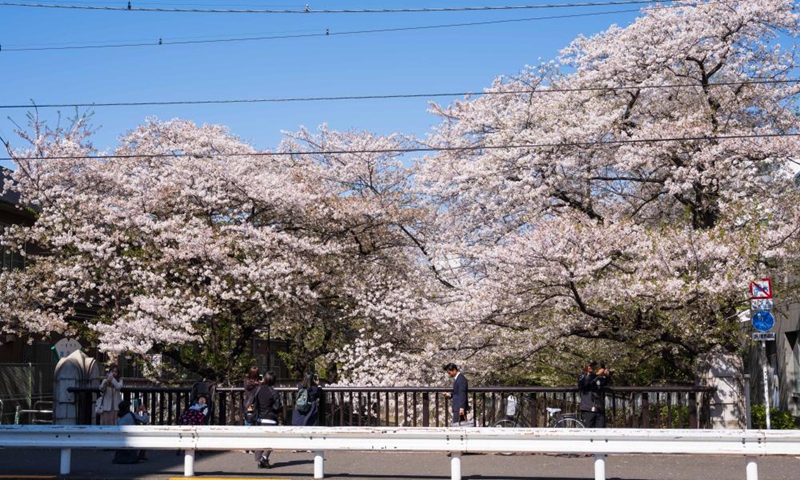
x=306, y=411
x=460, y=393
x=591, y=383
x=268, y=405
x=111, y=396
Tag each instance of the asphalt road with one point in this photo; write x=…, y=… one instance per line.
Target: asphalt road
x=165, y=465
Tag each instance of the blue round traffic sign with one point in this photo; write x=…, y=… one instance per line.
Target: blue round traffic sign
x=763, y=321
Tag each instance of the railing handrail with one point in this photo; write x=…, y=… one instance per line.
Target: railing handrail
x=601, y=442
x=487, y=389
x=654, y=406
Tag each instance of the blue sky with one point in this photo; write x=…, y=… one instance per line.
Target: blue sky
x=456, y=59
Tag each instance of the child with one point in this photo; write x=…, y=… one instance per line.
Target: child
x=196, y=414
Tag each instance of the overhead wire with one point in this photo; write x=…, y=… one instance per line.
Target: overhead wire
x=327, y=33
x=414, y=149
x=544, y=90
x=307, y=10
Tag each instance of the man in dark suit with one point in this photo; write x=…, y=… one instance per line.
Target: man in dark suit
x=460, y=394
x=591, y=383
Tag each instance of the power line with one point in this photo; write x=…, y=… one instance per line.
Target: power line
x=706, y=138
x=306, y=10
x=328, y=33
x=395, y=96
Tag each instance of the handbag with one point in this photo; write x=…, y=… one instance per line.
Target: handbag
x=98, y=405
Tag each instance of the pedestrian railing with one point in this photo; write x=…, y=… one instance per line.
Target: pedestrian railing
x=38, y=415
x=455, y=441
x=626, y=407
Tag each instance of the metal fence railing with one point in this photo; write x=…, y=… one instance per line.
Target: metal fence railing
x=626, y=407
x=22, y=386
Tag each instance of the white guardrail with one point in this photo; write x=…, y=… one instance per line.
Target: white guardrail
x=749, y=444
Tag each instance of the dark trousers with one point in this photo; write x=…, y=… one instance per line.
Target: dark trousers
x=259, y=454
x=593, y=419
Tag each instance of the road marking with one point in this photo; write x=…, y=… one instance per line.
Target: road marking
x=230, y=478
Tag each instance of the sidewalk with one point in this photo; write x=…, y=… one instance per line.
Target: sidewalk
x=166, y=465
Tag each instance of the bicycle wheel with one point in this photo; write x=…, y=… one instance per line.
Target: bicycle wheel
x=505, y=423
x=569, y=422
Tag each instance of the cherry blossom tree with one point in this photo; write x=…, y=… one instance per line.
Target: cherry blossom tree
x=617, y=200
x=626, y=193
x=187, y=241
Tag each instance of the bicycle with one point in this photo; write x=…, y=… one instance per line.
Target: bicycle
x=513, y=415
x=563, y=420
x=556, y=419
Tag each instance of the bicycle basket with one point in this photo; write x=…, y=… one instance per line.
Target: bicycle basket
x=511, y=406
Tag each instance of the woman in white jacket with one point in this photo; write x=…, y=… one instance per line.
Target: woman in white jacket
x=110, y=389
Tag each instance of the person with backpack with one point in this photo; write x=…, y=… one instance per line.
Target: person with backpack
x=268, y=408
x=251, y=382
x=306, y=404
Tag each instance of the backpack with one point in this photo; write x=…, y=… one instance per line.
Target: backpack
x=301, y=403
x=250, y=412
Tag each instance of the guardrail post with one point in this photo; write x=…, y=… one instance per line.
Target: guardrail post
x=752, y=468
x=455, y=465
x=66, y=461
x=188, y=463
x=599, y=467
x=319, y=462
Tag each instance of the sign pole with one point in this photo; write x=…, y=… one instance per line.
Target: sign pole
x=761, y=301
x=766, y=384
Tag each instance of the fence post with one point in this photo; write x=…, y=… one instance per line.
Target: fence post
x=223, y=408
x=426, y=409
x=693, y=410
x=645, y=410
x=613, y=407
x=30, y=385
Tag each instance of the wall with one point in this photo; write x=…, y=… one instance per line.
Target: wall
x=724, y=371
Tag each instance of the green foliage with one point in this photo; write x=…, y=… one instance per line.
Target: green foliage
x=672, y=416
x=778, y=419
